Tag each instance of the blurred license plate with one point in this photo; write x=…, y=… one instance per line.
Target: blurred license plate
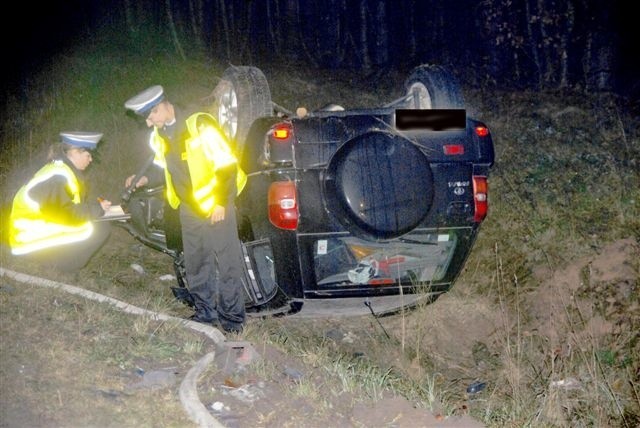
x=431, y=120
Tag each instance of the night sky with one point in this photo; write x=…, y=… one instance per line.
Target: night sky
x=42, y=31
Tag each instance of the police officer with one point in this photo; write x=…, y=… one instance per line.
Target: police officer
x=202, y=179
x=51, y=218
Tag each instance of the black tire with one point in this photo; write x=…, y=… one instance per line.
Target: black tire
x=433, y=87
x=241, y=97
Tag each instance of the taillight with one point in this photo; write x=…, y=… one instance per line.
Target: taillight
x=282, y=132
x=482, y=131
x=279, y=147
x=283, y=205
x=480, y=203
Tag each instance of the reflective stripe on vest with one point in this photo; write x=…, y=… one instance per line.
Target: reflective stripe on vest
x=159, y=147
x=30, y=230
x=206, y=146
x=33, y=235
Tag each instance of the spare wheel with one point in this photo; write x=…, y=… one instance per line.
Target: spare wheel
x=379, y=186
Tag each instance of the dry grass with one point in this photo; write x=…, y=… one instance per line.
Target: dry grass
x=69, y=362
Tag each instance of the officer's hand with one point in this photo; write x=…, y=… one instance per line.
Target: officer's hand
x=218, y=214
x=105, y=204
x=141, y=182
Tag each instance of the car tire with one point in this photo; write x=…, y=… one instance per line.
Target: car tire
x=241, y=96
x=433, y=87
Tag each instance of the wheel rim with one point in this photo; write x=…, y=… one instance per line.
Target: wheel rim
x=228, y=112
x=424, y=98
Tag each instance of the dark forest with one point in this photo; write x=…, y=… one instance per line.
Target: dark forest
x=511, y=44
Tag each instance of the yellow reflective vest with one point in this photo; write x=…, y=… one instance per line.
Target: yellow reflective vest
x=30, y=229
x=206, y=151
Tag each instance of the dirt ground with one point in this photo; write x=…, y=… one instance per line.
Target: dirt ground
x=467, y=342
x=274, y=388
x=240, y=397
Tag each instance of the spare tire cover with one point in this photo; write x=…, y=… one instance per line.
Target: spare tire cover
x=379, y=185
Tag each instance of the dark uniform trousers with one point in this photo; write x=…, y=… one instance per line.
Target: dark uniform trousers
x=214, y=266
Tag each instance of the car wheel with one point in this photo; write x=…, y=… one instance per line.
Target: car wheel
x=379, y=186
x=433, y=87
x=241, y=97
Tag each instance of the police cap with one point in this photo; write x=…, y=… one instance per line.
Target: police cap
x=143, y=102
x=85, y=140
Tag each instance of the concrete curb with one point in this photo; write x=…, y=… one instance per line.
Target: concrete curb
x=189, y=395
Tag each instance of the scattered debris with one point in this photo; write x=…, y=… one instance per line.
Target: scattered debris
x=155, y=379
x=334, y=334
x=350, y=337
x=6, y=288
x=246, y=393
x=567, y=384
x=110, y=394
x=218, y=406
x=167, y=277
x=137, y=268
x=476, y=387
x=224, y=414
x=293, y=374
x=233, y=356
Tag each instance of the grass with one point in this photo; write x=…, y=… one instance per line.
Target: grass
x=86, y=354
x=553, y=350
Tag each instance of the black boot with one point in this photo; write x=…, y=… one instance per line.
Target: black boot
x=204, y=315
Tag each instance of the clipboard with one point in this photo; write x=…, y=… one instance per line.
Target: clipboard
x=115, y=212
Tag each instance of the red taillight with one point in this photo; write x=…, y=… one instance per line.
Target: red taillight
x=282, y=132
x=453, y=149
x=480, y=202
x=482, y=131
x=283, y=205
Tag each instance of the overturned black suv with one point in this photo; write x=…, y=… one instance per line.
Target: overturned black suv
x=347, y=211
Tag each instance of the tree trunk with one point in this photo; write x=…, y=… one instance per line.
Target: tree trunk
x=274, y=29
x=546, y=42
x=412, y=31
x=533, y=43
x=564, y=46
x=225, y=29
x=381, y=53
x=129, y=14
x=364, y=41
x=174, y=33
x=196, y=19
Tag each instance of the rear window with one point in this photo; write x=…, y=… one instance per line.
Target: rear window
x=413, y=259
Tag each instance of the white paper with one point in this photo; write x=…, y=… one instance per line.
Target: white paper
x=114, y=211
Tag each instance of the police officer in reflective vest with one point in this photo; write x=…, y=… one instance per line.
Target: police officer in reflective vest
x=51, y=218
x=202, y=179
